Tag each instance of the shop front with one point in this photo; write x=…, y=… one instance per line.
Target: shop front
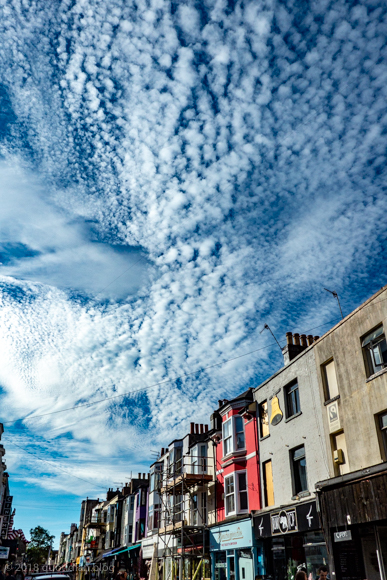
x=292, y=538
x=354, y=515
x=235, y=554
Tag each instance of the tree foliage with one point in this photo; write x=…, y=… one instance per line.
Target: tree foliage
x=40, y=544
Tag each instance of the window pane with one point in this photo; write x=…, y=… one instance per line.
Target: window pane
x=331, y=380
x=373, y=335
x=292, y=399
x=242, y=481
x=383, y=421
x=377, y=355
x=230, y=504
x=240, y=433
x=299, y=453
x=227, y=428
x=243, y=500
x=229, y=485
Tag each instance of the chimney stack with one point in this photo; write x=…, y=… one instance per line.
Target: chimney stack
x=289, y=338
x=294, y=346
x=162, y=451
x=192, y=429
x=139, y=475
x=316, y=338
x=310, y=339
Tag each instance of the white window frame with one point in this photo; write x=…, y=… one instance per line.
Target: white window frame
x=227, y=477
x=233, y=436
x=236, y=493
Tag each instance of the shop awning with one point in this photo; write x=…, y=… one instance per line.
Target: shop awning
x=121, y=551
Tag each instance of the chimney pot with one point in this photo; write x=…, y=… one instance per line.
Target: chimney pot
x=316, y=338
x=310, y=339
x=196, y=428
x=303, y=340
x=289, y=338
x=220, y=402
x=162, y=451
x=296, y=337
x=192, y=429
x=205, y=428
x=139, y=475
x=201, y=428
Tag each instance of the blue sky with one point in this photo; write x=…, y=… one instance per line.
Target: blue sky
x=172, y=177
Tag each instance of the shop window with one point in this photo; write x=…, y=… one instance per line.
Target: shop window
x=229, y=494
x=233, y=435
x=263, y=419
x=268, y=483
x=382, y=424
x=329, y=380
x=298, y=460
x=292, y=399
x=375, y=351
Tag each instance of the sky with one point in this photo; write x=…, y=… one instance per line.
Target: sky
x=173, y=176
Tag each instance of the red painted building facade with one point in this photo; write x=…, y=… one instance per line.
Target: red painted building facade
x=234, y=553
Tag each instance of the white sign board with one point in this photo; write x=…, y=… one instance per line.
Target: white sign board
x=333, y=417
x=4, y=553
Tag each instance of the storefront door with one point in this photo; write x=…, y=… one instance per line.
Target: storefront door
x=230, y=567
x=245, y=565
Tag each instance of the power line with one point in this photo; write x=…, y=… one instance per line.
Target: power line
x=142, y=389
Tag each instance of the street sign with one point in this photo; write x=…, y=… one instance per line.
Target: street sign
x=343, y=536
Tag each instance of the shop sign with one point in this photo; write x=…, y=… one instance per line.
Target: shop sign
x=283, y=522
x=4, y=553
x=7, y=507
x=333, y=417
x=231, y=536
x=343, y=536
x=301, y=518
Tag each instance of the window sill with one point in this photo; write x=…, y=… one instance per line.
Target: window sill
x=329, y=401
x=233, y=454
x=266, y=437
x=372, y=377
x=302, y=494
x=293, y=416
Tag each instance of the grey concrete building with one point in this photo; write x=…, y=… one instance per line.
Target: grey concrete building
x=351, y=363
x=323, y=451
x=293, y=457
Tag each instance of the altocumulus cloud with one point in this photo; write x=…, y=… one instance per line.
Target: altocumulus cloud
x=239, y=148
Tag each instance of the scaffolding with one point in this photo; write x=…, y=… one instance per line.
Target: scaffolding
x=184, y=519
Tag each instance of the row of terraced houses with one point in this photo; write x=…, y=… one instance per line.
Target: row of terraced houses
x=289, y=474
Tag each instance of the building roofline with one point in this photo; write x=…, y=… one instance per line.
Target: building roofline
x=323, y=337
